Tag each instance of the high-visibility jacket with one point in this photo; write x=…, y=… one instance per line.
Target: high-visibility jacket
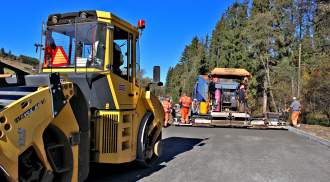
x=185, y=101
x=167, y=106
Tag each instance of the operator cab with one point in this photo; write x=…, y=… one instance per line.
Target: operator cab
x=103, y=47
x=81, y=40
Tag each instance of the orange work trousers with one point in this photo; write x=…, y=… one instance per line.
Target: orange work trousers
x=185, y=115
x=295, y=117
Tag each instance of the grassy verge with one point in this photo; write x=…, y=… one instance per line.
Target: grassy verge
x=317, y=119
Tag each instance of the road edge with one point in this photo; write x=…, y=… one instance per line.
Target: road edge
x=309, y=136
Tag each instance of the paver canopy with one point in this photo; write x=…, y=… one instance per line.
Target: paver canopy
x=230, y=72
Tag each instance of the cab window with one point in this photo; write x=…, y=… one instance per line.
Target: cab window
x=10, y=77
x=121, y=46
x=75, y=45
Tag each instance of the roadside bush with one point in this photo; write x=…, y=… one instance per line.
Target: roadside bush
x=317, y=119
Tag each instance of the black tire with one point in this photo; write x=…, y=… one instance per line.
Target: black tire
x=59, y=155
x=144, y=145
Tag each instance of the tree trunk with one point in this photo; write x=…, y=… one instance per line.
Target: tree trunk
x=292, y=87
x=264, y=106
x=270, y=86
x=267, y=84
x=273, y=100
x=299, y=71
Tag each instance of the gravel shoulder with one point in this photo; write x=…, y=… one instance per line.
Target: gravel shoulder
x=317, y=130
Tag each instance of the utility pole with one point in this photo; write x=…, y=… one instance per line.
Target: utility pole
x=299, y=71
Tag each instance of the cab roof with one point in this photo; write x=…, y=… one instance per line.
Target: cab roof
x=91, y=15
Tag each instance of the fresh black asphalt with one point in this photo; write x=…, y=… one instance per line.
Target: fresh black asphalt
x=229, y=155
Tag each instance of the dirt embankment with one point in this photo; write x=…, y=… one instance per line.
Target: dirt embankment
x=19, y=65
x=320, y=131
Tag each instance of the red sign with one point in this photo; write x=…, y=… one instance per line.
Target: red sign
x=59, y=58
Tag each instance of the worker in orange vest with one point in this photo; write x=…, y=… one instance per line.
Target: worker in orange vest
x=167, y=110
x=185, y=103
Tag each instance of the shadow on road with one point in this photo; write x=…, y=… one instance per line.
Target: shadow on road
x=172, y=147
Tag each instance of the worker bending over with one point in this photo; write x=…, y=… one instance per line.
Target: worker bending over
x=167, y=110
x=185, y=103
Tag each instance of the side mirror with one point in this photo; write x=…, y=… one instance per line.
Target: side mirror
x=159, y=84
x=156, y=75
x=156, y=78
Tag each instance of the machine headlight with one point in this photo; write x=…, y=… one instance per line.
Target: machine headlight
x=54, y=19
x=83, y=15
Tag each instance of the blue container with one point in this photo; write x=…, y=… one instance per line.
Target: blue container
x=201, y=89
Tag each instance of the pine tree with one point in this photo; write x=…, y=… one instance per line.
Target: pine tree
x=229, y=43
x=215, y=46
x=260, y=32
x=193, y=62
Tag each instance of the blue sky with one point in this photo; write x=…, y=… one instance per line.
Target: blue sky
x=171, y=24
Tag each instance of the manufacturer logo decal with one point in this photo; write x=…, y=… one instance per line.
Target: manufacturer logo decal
x=29, y=111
